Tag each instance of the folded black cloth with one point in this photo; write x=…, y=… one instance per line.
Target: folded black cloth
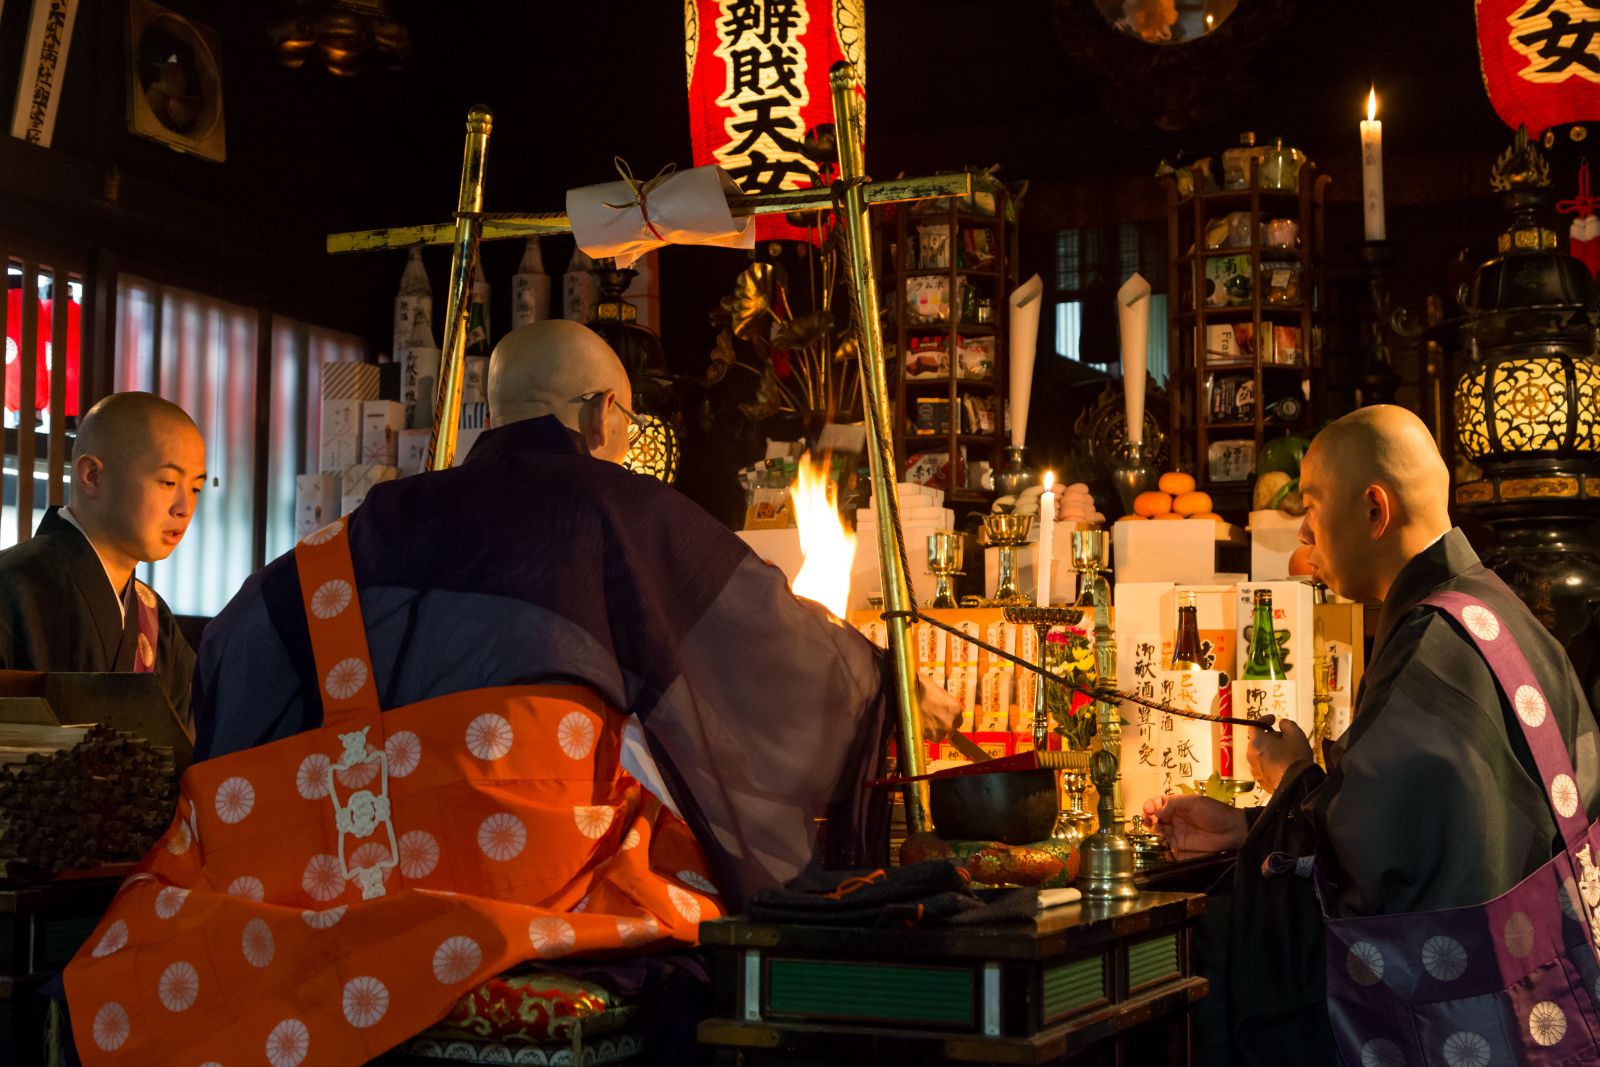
x=933, y=892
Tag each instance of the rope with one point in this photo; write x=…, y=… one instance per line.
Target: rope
x=641, y=191
x=1583, y=204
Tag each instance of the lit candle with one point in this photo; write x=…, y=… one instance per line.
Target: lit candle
x=1224, y=707
x=1047, y=519
x=1372, y=170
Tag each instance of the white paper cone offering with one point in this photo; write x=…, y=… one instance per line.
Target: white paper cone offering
x=688, y=208
x=580, y=289
x=414, y=301
x=1133, y=316
x=1024, y=336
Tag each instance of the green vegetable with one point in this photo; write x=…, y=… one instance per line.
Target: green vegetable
x=1291, y=486
x=1282, y=454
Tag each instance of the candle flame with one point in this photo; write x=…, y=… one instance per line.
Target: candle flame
x=1049, y=480
x=828, y=547
x=1372, y=103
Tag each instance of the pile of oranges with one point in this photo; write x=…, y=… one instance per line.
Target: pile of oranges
x=1175, y=499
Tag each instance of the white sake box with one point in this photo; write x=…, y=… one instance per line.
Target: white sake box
x=381, y=423
x=1274, y=536
x=316, y=501
x=359, y=480
x=1152, y=551
x=339, y=442
x=411, y=451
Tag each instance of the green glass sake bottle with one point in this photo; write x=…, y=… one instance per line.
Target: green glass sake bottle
x=1265, y=660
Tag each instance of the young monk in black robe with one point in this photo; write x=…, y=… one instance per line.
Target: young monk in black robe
x=1432, y=799
x=68, y=598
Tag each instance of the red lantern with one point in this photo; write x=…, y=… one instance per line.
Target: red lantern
x=41, y=382
x=758, y=80
x=1541, y=61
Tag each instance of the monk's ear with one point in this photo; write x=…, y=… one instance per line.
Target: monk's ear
x=1378, y=503
x=89, y=475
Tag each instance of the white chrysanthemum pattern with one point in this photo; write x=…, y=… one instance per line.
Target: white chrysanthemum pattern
x=115, y=937
x=456, y=959
x=169, y=900
x=551, y=937
x=1481, y=622
x=687, y=904
x=641, y=931
x=324, y=535
x=146, y=595
x=371, y=854
x=593, y=819
x=331, y=598
x=419, y=854
x=311, y=780
x=179, y=986
x=147, y=652
x=576, y=734
x=1519, y=934
x=179, y=837
x=365, y=1001
x=1443, y=958
x=323, y=878
x=1530, y=706
x=1364, y=963
x=288, y=1044
x=256, y=943
x=1547, y=1023
x=1564, y=795
x=322, y=920
x=111, y=1026
x=502, y=836
x=404, y=750
x=248, y=887
x=489, y=736
x=632, y=840
x=235, y=799
x=696, y=880
x=1466, y=1049
x=345, y=678
x=1381, y=1052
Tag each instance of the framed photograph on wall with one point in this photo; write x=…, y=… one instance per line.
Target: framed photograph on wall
x=175, y=81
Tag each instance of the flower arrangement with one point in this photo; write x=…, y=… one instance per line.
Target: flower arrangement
x=1069, y=655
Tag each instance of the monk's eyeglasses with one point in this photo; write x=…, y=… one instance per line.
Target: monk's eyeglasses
x=636, y=425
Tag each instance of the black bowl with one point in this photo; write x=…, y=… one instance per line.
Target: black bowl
x=1017, y=807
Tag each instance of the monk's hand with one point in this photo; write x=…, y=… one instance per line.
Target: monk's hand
x=1194, y=823
x=941, y=712
x=1272, y=752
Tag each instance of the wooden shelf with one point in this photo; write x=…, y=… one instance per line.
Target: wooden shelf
x=944, y=272
x=1244, y=196
x=1245, y=312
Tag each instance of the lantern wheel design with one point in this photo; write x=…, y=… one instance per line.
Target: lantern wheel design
x=654, y=450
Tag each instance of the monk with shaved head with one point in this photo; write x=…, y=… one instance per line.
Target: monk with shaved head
x=68, y=597
x=602, y=719
x=1432, y=799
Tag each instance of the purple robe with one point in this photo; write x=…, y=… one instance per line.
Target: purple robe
x=533, y=562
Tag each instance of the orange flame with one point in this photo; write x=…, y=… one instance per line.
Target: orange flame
x=829, y=548
x=1372, y=103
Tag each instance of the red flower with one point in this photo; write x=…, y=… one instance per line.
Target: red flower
x=780, y=364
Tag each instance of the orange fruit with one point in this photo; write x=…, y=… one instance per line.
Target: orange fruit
x=1131, y=518
x=1152, y=504
x=1176, y=483
x=1192, y=503
x=1300, y=561
x=1170, y=515
x=1213, y=516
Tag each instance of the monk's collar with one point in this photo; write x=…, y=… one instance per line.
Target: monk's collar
x=544, y=434
x=1448, y=557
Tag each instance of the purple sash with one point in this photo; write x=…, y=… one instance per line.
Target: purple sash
x=139, y=598
x=1512, y=981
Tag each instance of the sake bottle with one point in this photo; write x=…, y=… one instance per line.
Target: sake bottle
x=1186, y=647
x=580, y=289
x=413, y=302
x=530, y=287
x=1265, y=661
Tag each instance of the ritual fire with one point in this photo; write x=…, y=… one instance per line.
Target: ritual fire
x=827, y=544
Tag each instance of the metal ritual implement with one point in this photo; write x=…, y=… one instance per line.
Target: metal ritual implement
x=849, y=198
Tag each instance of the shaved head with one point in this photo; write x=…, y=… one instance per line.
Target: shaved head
x=1377, y=493
x=123, y=426
x=545, y=367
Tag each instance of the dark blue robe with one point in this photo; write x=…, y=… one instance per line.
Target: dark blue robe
x=533, y=562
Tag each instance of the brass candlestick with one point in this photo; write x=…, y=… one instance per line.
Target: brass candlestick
x=1133, y=471
x=944, y=563
x=1322, y=703
x=1008, y=532
x=1074, y=823
x=1041, y=619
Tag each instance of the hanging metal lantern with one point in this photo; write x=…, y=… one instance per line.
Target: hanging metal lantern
x=654, y=448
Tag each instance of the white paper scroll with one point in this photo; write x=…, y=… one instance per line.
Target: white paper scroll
x=686, y=208
x=1133, y=316
x=1024, y=339
x=44, y=65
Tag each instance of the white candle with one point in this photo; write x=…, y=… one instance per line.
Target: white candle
x=1372, y=170
x=1047, y=519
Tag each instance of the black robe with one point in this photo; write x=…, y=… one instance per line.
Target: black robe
x=58, y=613
x=1433, y=801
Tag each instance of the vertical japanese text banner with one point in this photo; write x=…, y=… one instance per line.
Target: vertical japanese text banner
x=758, y=80
x=1541, y=60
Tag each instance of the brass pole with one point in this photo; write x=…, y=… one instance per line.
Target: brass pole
x=880, y=449
x=469, y=205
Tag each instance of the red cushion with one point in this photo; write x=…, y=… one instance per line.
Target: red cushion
x=533, y=1008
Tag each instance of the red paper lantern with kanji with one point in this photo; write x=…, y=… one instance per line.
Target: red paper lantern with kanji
x=758, y=80
x=1541, y=61
x=41, y=381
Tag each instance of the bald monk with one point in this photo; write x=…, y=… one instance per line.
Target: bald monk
x=1433, y=799
x=68, y=597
